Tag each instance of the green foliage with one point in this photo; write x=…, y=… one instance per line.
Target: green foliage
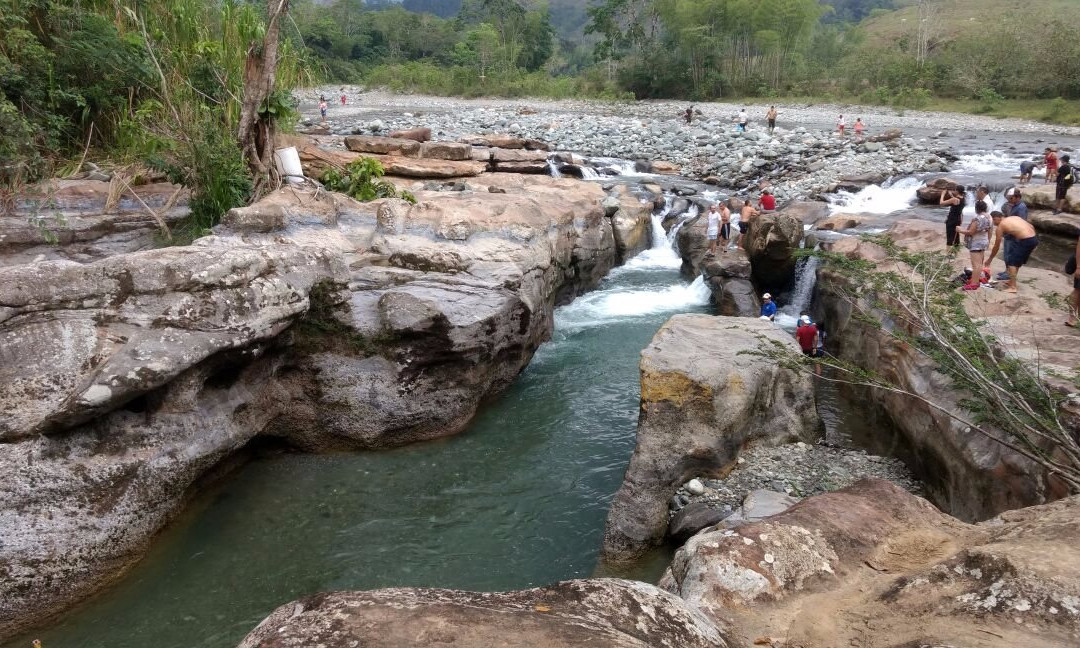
x=1057, y=111
x=361, y=181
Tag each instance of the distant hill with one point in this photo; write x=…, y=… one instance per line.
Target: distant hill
x=955, y=16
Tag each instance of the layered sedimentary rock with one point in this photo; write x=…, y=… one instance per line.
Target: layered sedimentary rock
x=771, y=244
x=597, y=613
x=727, y=273
x=968, y=474
x=702, y=398
x=308, y=317
x=859, y=565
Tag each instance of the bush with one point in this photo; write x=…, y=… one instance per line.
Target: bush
x=361, y=181
x=1057, y=112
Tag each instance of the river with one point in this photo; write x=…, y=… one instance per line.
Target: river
x=518, y=500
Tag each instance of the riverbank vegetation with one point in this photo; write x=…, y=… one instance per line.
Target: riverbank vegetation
x=901, y=53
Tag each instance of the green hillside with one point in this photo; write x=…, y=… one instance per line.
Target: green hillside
x=955, y=17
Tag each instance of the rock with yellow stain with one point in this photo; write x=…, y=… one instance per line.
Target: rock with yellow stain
x=701, y=400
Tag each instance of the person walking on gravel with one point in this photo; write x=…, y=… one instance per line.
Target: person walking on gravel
x=860, y=127
x=1022, y=242
x=1064, y=182
x=955, y=199
x=322, y=108
x=771, y=118
x=841, y=125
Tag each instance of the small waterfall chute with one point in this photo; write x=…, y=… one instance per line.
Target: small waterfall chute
x=802, y=294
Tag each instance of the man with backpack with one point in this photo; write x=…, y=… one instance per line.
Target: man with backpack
x=1065, y=180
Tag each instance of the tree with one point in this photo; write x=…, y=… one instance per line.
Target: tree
x=255, y=132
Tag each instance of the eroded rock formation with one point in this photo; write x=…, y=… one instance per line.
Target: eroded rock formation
x=702, y=398
x=588, y=613
x=307, y=317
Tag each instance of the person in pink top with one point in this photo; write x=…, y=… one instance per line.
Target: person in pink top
x=859, y=127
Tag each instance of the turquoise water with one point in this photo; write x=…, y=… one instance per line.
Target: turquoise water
x=518, y=500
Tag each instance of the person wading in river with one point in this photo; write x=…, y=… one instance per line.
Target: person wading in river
x=956, y=201
x=1022, y=242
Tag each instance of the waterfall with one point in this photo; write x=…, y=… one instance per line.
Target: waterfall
x=589, y=173
x=690, y=215
x=799, y=303
x=873, y=199
x=553, y=168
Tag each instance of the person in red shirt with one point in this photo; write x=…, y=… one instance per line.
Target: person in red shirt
x=807, y=335
x=767, y=201
x=1050, y=159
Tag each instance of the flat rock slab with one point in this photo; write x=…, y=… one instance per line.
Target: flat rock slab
x=598, y=613
x=382, y=145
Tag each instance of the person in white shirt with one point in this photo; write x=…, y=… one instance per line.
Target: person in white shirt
x=841, y=125
x=744, y=119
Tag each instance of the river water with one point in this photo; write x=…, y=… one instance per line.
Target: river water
x=518, y=500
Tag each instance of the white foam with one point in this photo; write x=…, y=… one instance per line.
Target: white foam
x=606, y=306
x=875, y=199
x=589, y=173
x=986, y=163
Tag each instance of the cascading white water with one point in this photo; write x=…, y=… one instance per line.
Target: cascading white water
x=875, y=199
x=589, y=173
x=553, y=169
x=645, y=285
x=799, y=303
x=987, y=162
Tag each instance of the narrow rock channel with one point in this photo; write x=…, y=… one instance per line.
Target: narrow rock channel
x=516, y=501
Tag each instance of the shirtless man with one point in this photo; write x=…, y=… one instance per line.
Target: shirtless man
x=725, y=227
x=746, y=216
x=1020, y=235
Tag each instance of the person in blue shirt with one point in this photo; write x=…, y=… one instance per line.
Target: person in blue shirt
x=768, y=307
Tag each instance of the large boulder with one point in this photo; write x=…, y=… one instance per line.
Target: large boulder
x=771, y=244
x=597, y=613
x=702, y=398
x=856, y=566
x=631, y=223
x=1043, y=197
x=422, y=134
x=503, y=141
x=382, y=145
x=728, y=277
x=446, y=151
x=930, y=193
x=808, y=211
x=518, y=155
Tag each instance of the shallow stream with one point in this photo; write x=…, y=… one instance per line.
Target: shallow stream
x=518, y=500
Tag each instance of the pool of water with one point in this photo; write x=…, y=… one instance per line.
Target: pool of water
x=518, y=500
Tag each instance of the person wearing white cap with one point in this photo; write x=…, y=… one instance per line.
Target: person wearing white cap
x=768, y=307
x=807, y=335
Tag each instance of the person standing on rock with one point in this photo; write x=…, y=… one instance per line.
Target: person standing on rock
x=689, y=115
x=1064, y=180
x=978, y=239
x=1074, y=298
x=1021, y=239
x=768, y=307
x=342, y=97
x=807, y=335
x=1050, y=161
x=322, y=108
x=983, y=194
x=956, y=200
x=767, y=202
x=1014, y=204
x=712, y=229
x=746, y=216
x=744, y=119
x=859, y=127
x=771, y=118
x=841, y=125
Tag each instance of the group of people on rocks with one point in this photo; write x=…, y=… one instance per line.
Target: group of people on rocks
x=1059, y=172
x=810, y=335
x=718, y=221
x=742, y=121
x=1012, y=234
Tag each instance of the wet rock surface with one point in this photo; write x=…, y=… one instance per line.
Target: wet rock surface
x=599, y=613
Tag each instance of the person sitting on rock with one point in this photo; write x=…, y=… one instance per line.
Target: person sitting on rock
x=807, y=335
x=689, y=115
x=1020, y=237
x=767, y=202
x=768, y=307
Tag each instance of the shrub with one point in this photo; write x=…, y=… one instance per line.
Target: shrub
x=361, y=181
